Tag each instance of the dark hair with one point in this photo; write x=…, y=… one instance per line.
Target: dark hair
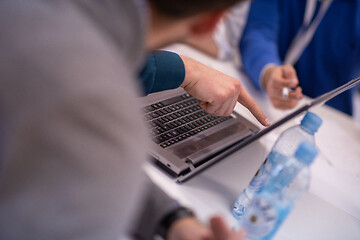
x=187, y=8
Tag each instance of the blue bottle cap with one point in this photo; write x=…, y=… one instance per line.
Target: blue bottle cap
x=311, y=122
x=306, y=152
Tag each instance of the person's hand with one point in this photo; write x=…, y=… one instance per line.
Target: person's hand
x=191, y=229
x=217, y=92
x=275, y=79
x=221, y=231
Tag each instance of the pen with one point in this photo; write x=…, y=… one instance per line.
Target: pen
x=285, y=91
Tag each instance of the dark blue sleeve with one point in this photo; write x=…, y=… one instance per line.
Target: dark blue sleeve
x=162, y=71
x=259, y=43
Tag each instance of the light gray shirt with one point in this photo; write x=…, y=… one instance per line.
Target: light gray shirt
x=73, y=141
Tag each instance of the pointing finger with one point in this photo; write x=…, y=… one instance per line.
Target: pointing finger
x=247, y=101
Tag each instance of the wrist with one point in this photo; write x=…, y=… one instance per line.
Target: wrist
x=191, y=69
x=265, y=74
x=172, y=217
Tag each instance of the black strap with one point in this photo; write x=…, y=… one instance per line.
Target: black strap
x=170, y=218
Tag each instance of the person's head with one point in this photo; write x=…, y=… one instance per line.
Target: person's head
x=174, y=20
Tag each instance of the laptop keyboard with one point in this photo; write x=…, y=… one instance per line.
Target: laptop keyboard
x=176, y=119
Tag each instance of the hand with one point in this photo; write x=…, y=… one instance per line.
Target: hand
x=217, y=92
x=221, y=231
x=275, y=79
x=191, y=229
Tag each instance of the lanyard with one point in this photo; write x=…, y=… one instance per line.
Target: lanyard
x=307, y=30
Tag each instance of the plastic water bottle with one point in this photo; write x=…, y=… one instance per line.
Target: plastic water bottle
x=256, y=183
x=299, y=186
x=290, y=139
x=284, y=147
x=274, y=201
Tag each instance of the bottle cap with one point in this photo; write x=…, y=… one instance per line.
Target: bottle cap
x=306, y=152
x=311, y=122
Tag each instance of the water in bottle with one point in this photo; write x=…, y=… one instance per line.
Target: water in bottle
x=256, y=183
x=284, y=147
x=272, y=203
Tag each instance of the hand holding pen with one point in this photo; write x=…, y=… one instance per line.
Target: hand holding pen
x=281, y=84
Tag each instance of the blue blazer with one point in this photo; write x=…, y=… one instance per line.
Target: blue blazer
x=332, y=57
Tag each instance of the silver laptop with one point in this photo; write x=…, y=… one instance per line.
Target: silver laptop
x=186, y=140
x=184, y=135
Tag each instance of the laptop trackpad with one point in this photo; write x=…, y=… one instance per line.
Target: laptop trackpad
x=197, y=150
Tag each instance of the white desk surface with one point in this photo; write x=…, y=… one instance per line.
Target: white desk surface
x=331, y=209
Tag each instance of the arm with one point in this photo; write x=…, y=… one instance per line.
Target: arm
x=190, y=229
x=163, y=70
x=217, y=92
x=162, y=216
x=260, y=55
x=259, y=43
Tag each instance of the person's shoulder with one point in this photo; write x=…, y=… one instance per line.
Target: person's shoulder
x=56, y=39
x=54, y=53
x=40, y=26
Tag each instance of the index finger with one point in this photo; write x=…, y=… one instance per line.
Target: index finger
x=247, y=101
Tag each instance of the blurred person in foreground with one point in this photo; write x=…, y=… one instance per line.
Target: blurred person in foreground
x=73, y=142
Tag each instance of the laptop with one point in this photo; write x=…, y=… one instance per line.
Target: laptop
x=186, y=140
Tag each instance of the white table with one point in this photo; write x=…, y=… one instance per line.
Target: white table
x=331, y=210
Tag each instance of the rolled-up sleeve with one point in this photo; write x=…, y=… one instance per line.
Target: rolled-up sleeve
x=163, y=70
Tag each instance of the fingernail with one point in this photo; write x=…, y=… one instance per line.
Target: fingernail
x=267, y=122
